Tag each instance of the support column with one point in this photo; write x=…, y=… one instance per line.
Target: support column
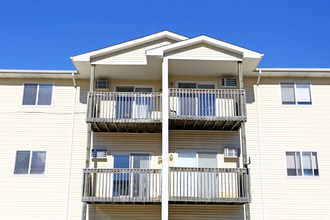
x=243, y=139
x=89, y=138
x=165, y=136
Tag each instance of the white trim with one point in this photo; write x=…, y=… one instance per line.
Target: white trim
x=164, y=34
x=13, y=71
x=160, y=51
x=294, y=69
x=203, y=58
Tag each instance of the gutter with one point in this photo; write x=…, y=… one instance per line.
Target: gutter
x=71, y=145
x=260, y=149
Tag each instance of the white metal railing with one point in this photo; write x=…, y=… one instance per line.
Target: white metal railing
x=126, y=107
x=222, y=185
x=207, y=104
x=121, y=185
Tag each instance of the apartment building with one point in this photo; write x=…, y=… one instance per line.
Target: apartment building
x=165, y=127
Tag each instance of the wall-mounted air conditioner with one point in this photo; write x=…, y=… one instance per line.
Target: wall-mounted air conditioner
x=231, y=152
x=229, y=82
x=99, y=153
x=102, y=85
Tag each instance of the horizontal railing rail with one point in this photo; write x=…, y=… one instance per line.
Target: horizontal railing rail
x=207, y=104
x=219, y=185
x=121, y=185
x=126, y=107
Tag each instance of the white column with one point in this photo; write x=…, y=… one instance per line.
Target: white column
x=165, y=113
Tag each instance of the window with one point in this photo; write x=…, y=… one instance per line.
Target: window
x=229, y=82
x=296, y=93
x=30, y=162
x=308, y=160
x=37, y=94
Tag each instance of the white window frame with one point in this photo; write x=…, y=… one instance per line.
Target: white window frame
x=217, y=152
x=295, y=93
x=136, y=86
x=30, y=161
x=37, y=95
x=301, y=163
x=197, y=82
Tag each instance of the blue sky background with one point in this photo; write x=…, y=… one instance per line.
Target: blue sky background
x=44, y=34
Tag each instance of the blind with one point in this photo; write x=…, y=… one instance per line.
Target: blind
x=45, y=94
x=303, y=93
x=207, y=160
x=30, y=94
x=187, y=159
x=287, y=93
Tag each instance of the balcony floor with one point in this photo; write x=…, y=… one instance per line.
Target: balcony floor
x=200, y=124
x=127, y=127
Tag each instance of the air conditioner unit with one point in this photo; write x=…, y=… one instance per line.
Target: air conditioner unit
x=229, y=82
x=99, y=153
x=102, y=84
x=231, y=152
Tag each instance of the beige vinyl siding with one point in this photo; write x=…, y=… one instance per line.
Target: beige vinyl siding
x=289, y=128
x=129, y=143
x=204, y=140
x=197, y=212
x=135, y=55
x=45, y=128
x=114, y=212
x=203, y=50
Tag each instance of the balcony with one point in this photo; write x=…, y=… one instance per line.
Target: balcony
x=207, y=109
x=209, y=185
x=122, y=186
x=186, y=185
x=124, y=112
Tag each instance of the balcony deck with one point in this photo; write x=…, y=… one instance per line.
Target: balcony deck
x=207, y=109
x=186, y=185
x=124, y=112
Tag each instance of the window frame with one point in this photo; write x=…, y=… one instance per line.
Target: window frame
x=135, y=86
x=37, y=94
x=215, y=83
x=301, y=163
x=295, y=93
x=197, y=151
x=30, y=162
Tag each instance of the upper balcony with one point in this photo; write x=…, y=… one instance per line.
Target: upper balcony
x=207, y=109
x=124, y=111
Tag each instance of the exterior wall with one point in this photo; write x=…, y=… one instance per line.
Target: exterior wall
x=110, y=212
x=288, y=128
x=204, y=141
x=191, y=212
x=41, y=128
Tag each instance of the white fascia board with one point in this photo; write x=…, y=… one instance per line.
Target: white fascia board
x=204, y=58
x=128, y=44
x=294, y=69
x=14, y=71
x=204, y=39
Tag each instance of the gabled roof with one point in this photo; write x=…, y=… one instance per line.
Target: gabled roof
x=245, y=53
x=149, y=38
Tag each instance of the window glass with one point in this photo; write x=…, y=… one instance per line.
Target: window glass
x=38, y=162
x=143, y=89
x=187, y=85
x=45, y=94
x=307, y=163
x=30, y=94
x=206, y=86
x=287, y=92
x=121, y=161
x=303, y=94
x=22, y=162
x=314, y=163
x=207, y=160
x=187, y=159
x=125, y=89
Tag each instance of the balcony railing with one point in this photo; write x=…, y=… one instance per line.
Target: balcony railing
x=209, y=104
x=209, y=185
x=129, y=107
x=121, y=185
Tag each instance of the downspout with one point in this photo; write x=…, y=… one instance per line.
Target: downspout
x=260, y=149
x=71, y=146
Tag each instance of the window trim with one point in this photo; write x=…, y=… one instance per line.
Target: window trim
x=302, y=165
x=295, y=93
x=112, y=153
x=196, y=151
x=215, y=83
x=30, y=161
x=37, y=95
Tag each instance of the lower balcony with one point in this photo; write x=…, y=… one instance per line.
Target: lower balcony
x=122, y=186
x=209, y=185
x=186, y=185
x=124, y=111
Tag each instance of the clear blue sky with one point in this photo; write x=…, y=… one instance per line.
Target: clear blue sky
x=44, y=34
